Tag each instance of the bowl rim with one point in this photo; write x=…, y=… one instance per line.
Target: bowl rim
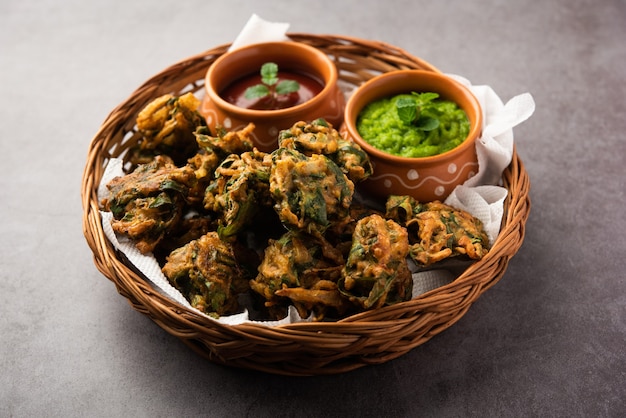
x=351, y=113
x=254, y=114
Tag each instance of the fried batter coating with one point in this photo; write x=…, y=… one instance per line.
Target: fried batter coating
x=319, y=137
x=322, y=300
x=203, y=164
x=205, y=271
x=213, y=150
x=353, y=161
x=167, y=125
x=299, y=268
x=190, y=226
x=226, y=142
x=339, y=234
x=441, y=231
x=309, y=192
x=376, y=272
x=402, y=208
x=149, y=201
x=240, y=188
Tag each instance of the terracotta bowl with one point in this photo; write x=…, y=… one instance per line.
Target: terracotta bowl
x=329, y=103
x=424, y=178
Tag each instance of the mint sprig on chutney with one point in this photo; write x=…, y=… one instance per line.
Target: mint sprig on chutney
x=410, y=111
x=413, y=124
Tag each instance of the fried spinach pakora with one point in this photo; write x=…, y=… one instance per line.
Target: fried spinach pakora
x=212, y=151
x=438, y=231
x=203, y=164
x=167, y=126
x=340, y=233
x=376, y=272
x=226, y=142
x=319, y=137
x=240, y=187
x=309, y=192
x=206, y=272
x=149, y=201
x=300, y=269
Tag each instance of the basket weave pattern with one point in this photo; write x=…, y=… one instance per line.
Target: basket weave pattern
x=370, y=337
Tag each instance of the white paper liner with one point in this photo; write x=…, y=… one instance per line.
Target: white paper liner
x=480, y=195
x=258, y=30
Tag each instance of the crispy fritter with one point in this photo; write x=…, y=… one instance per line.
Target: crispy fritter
x=319, y=137
x=149, y=201
x=226, y=142
x=203, y=164
x=339, y=234
x=206, y=272
x=309, y=192
x=353, y=161
x=213, y=151
x=439, y=231
x=376, y=272
x=323, y=299
x=402, y=208
x=303, y=261
x=190, y=226
x=167, y=126
x=240, y=189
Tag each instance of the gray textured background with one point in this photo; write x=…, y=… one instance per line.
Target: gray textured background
x=548, y=340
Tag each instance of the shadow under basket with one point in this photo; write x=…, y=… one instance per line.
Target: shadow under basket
x=312, y=348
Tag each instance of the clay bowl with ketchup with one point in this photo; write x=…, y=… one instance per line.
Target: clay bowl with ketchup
x=426, y=178
x=318, y=96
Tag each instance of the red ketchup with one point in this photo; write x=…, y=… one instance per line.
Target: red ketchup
x=235, y=92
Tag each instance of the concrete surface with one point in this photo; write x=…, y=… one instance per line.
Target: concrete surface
x=547, y=340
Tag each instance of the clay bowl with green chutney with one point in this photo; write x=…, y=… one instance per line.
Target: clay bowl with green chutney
x=419, y=129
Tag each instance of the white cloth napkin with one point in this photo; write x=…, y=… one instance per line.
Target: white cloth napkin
x=480, y=195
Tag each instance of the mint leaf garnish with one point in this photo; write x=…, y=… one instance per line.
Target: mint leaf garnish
x=426, y=123
x=269, y=73
x=256, y=92
x=270, y=87
x=424, y=98
x=287, y=86
x=407, y=110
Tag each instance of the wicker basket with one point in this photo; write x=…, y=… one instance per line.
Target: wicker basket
x=304, y=348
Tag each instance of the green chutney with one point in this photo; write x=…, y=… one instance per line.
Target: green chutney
x=380, y=125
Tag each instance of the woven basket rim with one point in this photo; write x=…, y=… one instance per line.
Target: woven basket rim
x=403, y=326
